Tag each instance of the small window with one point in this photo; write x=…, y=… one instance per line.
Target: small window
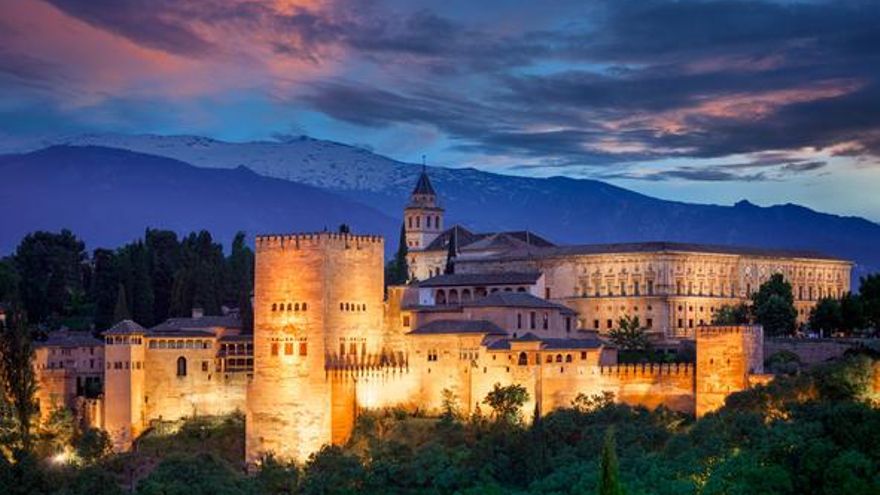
x=204, y=366
x=406, y=321
x=303, y=349
x=305, y=306
x=274, y=348
x=609, y=323
x=519, y=320
x=546, y=321
x=532, y=320
x=568, y=358
x=523, y=359
x=649, y=322
x=288, y=348
x=583, y=355
x=181, y=366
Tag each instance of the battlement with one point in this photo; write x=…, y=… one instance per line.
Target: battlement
x=709, y=331
x=308, y=240
x=370, y=364
x=648, y=369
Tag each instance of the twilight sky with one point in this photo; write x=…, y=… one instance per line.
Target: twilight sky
x=710, y=101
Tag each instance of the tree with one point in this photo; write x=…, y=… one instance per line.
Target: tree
x=630, y=335
x=729, y=314
x=332, y=470
x=8, y=280
x=57, y=432
x=18, y=380
x=869, y=293
x=241, y=279
x=826, y=316
x=92, y=444
x=449, y=405
x=50, y=268
x=452, y=252
x=397, y=270
x=609, y=478
x=506, y=402
x=163, y=251
x=104, y=290
x=852, y=313
x=192, y=475
x=120, y=311
x=773, y=306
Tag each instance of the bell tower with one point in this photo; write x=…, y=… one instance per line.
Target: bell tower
x=422, y=217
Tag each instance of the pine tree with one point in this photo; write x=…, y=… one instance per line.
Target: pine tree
x=609, y=477
x=241, y=275
x=120, y=312
x=397, y=270
x=163, y=250
x=17, y=377
x=105, y=286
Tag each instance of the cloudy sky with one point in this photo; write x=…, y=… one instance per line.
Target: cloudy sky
x=710, y=101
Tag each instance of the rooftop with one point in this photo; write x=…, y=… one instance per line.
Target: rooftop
x=125, y=327
x=515, y=300
x=655, y=247
x=487, y=241
x=202, y=322
x=439, y=327
x=547, y=344
x=456, y=279
x=423, y=186
x=68, y=338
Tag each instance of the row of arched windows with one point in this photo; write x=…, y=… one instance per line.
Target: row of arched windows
x=431, y=221
x=290, y=306
x=352, y=307
x=453, y=296
x=180, y=344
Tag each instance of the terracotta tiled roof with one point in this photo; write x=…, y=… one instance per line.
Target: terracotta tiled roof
x=125, y=327
x=516, y=300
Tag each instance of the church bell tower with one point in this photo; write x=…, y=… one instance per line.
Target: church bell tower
x=423, y=217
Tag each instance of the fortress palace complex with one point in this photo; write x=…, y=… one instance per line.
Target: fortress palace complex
x=328, y=341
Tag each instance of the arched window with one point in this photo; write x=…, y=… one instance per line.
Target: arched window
x=296, y=307
x=523, y=359
x=274, y=307
x=428, y=220
x=568, y=358
x=453, y=296
x=181, y=366
x=549, y=358
x=466, y=295
x=289, y=307
x=559, y=358
x=520, y=289
x=440, y=297
x=305, y=306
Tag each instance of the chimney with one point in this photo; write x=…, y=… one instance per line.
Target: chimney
x=198, y=312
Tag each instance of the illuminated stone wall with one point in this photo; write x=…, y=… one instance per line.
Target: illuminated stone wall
x=676, y=291
x=726, y=359
x=124, y=387
x=318, y=303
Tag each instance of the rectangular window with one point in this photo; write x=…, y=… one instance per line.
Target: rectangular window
x=680, y=323
x=205, y=366
x=546, y=292
x=636, y=288
x=352, y=348
x=583, y=355
x=649, y=322
x=303, y=349
x=342, y=348
x=406, y=321
x=609, y=323
x=650, y=287
x=568, y=323
x=691, y=323
x=622, y=288
x=288, y=348
x=274, y=348
x=519, y=320
x=596, y=324
x=546, y=321
x=532, y=319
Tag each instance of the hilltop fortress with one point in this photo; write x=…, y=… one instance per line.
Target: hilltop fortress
x=330, y=341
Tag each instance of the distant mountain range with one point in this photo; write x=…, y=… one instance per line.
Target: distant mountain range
x=306, y=184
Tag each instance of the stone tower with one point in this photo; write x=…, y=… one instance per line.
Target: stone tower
x=728, y=357
x=423, y=217
x=318, y=303
x=124, y=383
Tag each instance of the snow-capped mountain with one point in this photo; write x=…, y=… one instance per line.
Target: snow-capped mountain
x=562, y=209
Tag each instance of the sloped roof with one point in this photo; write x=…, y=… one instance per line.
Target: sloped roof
x=516, y=300
x=654, y=247
x=504, y=241
x=504, y=278
x=226, y=321
x=125, y=327
x=439, y=327
x=547, y=344
x=423, y=186
x=67, y=338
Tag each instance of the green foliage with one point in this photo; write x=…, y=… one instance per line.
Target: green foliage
x=507, y=402
x=277, y=477
x=869, y=293
x=852, y=313
x=50, y=269
x=630, y=335
x=92, y=445
x=397, y=270
x=333, y=471
x=731, y=315
x=55, y=435
x=9, y=280
x=449, y=405
x=202, y=474
x=17, y=376
x=609, y=482
x=773, y=306
x=783, y=363
x=826, y=316
x=120, y=311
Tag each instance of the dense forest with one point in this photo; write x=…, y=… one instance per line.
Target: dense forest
x=815, y=432
x=58, y=283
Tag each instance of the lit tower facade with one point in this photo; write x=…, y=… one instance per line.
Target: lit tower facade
x=318, y=305
x=423, y=217
x=124, y=383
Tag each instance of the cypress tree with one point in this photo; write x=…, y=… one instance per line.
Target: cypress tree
x=451, y=253
x=397, y=270
x=105, y=287
x=120, y=311
x=17, y=377
x=241, y=276
x=609, y=478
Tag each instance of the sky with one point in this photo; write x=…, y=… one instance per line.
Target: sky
x=693, y=100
